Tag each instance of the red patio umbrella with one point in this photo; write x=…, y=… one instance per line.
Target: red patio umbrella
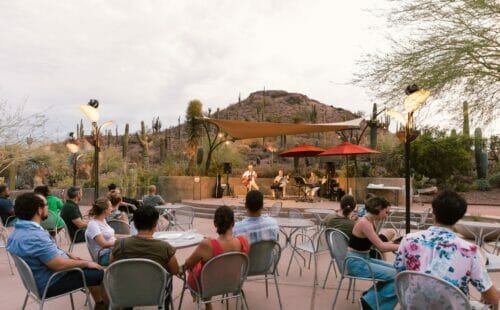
x=346, y=148
x=304, y=150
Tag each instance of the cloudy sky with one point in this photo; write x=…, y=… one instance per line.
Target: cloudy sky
x=143, y=59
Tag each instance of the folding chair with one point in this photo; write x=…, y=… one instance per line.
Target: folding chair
x=3, y=244
x=183, y=217
x=120, y=227
x=32, y=290
x=421, y=291
x=264, y=257
x=125, y=285
x=222, y=276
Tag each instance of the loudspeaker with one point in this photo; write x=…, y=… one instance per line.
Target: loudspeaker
x=330, y=168
x=227, y=168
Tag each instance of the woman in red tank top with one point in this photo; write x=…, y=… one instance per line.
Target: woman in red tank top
x=208, y=248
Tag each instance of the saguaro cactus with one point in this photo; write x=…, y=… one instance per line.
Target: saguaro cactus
x=480, y=156
x=144, y=141
x=373, y=124
x=81, y=133
x=125, y=142
x=164, y=147
x=466, y=119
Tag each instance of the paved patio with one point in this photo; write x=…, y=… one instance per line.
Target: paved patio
x=296, y=292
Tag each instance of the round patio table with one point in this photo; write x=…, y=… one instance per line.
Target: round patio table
x=293, y=225
x=480, y=230
x=179, y=239
x=168, y=207
x=320, y=213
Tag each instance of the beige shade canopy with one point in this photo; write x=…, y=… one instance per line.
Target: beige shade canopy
x=240, y=130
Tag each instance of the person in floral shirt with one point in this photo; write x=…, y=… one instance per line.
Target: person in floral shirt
x=438, y=251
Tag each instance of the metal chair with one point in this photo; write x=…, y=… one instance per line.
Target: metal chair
x=32, y=290
x=183, y=217
x=295, y=214
x=417, y=290
x=3, y=244
x=420, y=224
x=275, y=209
x=337, y=243
x=222, y=275
x=120, y=227
x=493, y=262
x=264, y=257
x=123, y=281
x=10, y=221
x=72, y=241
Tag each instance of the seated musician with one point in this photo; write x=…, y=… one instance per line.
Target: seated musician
x=279, y=183
x=248, y=179
x=312, y=186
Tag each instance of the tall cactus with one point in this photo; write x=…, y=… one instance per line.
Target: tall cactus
x=466, y=119
x=144, y=141
x=373, y=124
x=81, y=133
x=125, y=142
x=164, y=147
x=480, y=155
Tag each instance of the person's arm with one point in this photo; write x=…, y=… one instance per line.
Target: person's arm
x=103, y=243
x=490, y=297
x=369, y=232
x=199, y=254
x=60, y=263
x=79, y=222
x=173, y=266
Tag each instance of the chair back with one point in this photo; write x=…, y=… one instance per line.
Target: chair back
x=425, y=215
x=417, y=290
x=136, y=282
x=10, y=221
x=26, y=275
x=223, y=274
x=184, y=215
x=263, y=257
x=276, y=208
x=295, y=214
x=50, y=223
x=93, y=255
x=120, y=227
x=337, y=243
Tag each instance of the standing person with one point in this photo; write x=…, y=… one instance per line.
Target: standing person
x=152, y=199
x=360, y=243
x=6, y=206
x=248, y=178
x=55, y=204
x=279, y=183
x=72, y=215
x=208, y=248
x=438, y=251
x=256, y=227
x=34, y=245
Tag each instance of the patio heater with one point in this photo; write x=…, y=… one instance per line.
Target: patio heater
x=74, y=148
x=91, y=112
x=415, y=98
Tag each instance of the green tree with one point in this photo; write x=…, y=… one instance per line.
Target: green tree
x=193, y=130
x=452, y=48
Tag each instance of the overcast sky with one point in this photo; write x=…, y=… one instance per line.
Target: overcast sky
x=143, y=59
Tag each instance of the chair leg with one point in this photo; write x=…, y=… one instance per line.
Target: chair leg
x=182, y=296
x=88, y=302
x=277, y=290
x=349, y=289
x=337, y=293
x=72, y=302
x=244, y=297
x=25, y=300
x=327, y=273
x=10, y=264
x=267, y=290
x=353, y=290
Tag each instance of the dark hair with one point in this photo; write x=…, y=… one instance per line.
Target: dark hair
x=111, y=186
x=368, y=196
x=347, y=204
x=376, y=204
x=448, y=207
x=42, y=190
x=3, y=188
x=99, y=206
x=115, y=197
x=73, y=192
x=254, y=200
x=223, y=219
x=146, y=218
x=27, y=204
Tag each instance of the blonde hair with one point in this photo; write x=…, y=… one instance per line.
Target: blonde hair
x=99, y=206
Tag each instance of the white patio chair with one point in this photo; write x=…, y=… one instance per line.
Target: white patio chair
x=275, y=209
x=338, y=243
x=120, y=227
x=32, y=290
x=125, y=285
x=3, y=244
x=183, y=217
x=264, y=257
x=420, y=291
x=222, y=276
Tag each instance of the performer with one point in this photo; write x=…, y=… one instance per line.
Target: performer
x=312, y=186
x=279, y=183
x=248, y=178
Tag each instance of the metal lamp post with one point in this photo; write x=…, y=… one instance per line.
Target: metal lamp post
x=416, y=97
x=74, y=148
x=91, y=112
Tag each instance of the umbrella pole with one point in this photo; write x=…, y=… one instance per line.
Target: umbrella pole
x=347, y=173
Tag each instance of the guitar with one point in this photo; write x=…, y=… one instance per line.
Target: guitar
x=246, y=180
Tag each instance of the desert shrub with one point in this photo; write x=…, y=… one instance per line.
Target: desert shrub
x=495, y=180
x=482, y=185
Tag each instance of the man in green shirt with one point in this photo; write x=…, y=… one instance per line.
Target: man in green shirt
x=71, y=214
x=55, y=204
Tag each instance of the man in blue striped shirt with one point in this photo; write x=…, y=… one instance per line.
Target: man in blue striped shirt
x=255, y=226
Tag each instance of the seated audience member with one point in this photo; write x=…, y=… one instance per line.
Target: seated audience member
x=345, y=221
x=256, y=227
x=126, y=201
x=438, y=251
x=152, y=199
x=55, y=204
x=362, y=209
x=100, y=236
x=208, y=248
x=115, y=197
x=6, y=206
x=72, y=215
x=279, y=184
x=360, y=243
x=33, y=244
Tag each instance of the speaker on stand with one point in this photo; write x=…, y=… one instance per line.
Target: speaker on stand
x=227, y=171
